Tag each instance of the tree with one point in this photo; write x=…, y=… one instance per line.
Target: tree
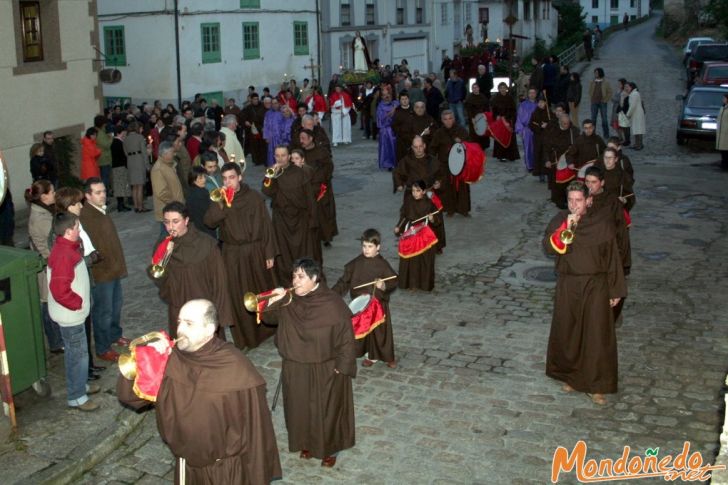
x=718, y=9
x=571, y=22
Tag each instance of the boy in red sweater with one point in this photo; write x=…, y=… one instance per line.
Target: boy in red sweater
x=69, y=302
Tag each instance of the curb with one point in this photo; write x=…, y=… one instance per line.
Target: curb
x=85, y=457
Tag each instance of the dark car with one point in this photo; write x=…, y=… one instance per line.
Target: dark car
x=713, y=74
x=699, y=113
x=703, y=53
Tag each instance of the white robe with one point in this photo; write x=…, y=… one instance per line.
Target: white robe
x=340, y=123
x=360, y=60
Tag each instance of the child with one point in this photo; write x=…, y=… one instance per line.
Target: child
x=378, y=344
x=198, y=199
x=69, y=299
x=417, y=268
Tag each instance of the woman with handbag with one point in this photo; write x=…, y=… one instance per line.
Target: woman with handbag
x=620, y=113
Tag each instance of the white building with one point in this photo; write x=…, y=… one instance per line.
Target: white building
x=424, y=31
x=48, y=76
x=611, y=12
x=223, y=46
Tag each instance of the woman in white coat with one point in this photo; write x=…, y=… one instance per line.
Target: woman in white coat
x=721, y=134
x=636, y=115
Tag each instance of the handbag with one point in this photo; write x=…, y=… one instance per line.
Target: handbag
x=623, y=120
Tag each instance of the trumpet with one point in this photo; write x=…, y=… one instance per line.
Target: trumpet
x=274, y=172
x=157, y=270
x=567, y=235
x=127, y=362
x=218, y=195
x=251, y=300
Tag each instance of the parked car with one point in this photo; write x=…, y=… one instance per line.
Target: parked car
x=703, y=53
x=713, y=73
x=692, y=43
x=699, y=112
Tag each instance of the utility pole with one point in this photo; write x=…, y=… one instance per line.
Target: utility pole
x=510, y=20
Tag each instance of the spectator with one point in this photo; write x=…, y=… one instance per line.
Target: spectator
x=455, y=94
x=41, y=167
x=600, y=93
x=433, y=99
x=198, y=199
x=137, y=163
x=119, y=168
x=588, y=47
x=89, y=155
x=573, y=96
x=103, y=141
x=721, y=134
x=165, y=183
x=50, y=154
x=636, y=115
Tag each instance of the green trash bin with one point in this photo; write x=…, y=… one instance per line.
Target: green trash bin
x=22, y=320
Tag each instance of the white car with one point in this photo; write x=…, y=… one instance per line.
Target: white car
x=691, y=43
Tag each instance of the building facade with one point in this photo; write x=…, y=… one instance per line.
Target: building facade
x=605, y=13
x=49, y=77
x=425, y=31
x=223, y=46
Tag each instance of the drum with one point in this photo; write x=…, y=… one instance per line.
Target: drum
x=466, y=162
x=581, y=174
x=499, y=129
x=480, y=124
x=416, y=240
x=563, y=173
x=368, y=315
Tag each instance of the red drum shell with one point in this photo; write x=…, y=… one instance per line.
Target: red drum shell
x=474, y=163
x=368, y=319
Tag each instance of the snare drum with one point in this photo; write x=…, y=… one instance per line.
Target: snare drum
x=563, y=173
x=466, y=162
x=581, y=174
x=480, y=124
x=416, y=240
x=368, y=315
x=500, y=130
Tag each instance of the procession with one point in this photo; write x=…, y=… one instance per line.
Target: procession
x=247, y=251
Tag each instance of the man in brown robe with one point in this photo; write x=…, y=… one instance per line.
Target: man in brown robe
x=211, y=407
x=582, y=348
x=588, y=147
x=294, y=212
x=195, y=269
x=370, y=266
x=402, y=125
x=319, y=159
x=423, y=125
x=476, y=103
x=540, y=120
x=455, y=196
x=252, y=117
x=558, y=142
x=320, y=138
x=419, y=165
x=617, y=178
x=248, y=249
x=316, y=341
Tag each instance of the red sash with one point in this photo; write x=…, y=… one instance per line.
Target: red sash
x=150, y=370
x=322, y=192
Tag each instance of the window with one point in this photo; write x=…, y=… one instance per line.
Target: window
x=483, y=15
x=114, y=45
x=526, y=10
x=370, y=15
x=345, y=13
x=30, y=23
x=300, y=38
x=443, y=14
x=468, y=13
x=210, y=35
x=248, y=4
x=631, y=3
x=345, y=50
x=400, y=12
x=251, y=40
x=613, y=20
x=614, y=4
x=595, y=19
x=419, y=11
x=595, y=3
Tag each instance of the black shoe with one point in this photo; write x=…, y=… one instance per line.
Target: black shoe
x=96, y=368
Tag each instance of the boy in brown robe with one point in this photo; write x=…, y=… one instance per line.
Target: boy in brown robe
x=371, y=266
x=582, y=348
x=211, y=407
x=316, y=341
x=248, y=249
x=195, y=268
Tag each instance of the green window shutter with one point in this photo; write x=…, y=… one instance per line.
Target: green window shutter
x=114, y=45
x=251, y=40
x=300, y=38
x=210, y=36
x=249, y=3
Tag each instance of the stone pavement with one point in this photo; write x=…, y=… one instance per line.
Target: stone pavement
x=469, y=402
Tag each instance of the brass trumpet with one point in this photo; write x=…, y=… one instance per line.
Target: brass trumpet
x=251, y=300
x=127, y=362
x=157, y=270
x=567, y=235
x=274, y=172
x=218, y=195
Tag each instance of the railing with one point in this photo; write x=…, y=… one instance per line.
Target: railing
x=572, y=55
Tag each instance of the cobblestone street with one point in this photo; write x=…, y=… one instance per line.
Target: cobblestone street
x=469, y=401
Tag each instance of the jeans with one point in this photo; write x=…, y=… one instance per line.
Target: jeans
x=76, y=361
x=457, y=109
x=106, y=175
x=51, y=329
x=106, y=314
x=595, y=109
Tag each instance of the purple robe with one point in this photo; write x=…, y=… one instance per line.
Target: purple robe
x=387, y=139
x=525, y=110
x=276, y=131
